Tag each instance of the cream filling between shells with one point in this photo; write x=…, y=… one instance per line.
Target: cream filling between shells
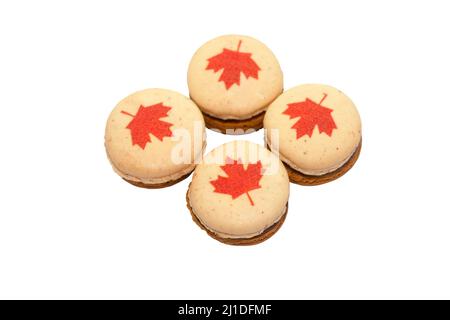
x=314, y=172
x=242, y=118
x=236, y=236
x=229, y=117
x=159, y=180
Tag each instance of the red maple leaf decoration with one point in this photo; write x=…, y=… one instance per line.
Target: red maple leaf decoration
x=311, y=115
x=239, y=180
x=233, y=63
x=146, y=121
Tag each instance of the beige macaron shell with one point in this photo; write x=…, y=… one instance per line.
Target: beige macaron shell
x=156, y=161
x=237, y=218
x=241, y=101
x=319, y=153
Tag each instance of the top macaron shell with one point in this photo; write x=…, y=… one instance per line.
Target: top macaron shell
x=226, y=99
x=245, y=215
x=156, y=157
x=327, y=146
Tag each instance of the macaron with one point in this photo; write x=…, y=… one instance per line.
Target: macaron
x=154, y=138
x=233, y=79
x=239, y=193
x=316, y=130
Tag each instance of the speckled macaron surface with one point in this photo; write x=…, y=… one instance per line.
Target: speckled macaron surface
x=154, y=136
x=239, y=190
x=234, y=77
x=315, y=128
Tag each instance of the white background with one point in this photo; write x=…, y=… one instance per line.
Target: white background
x=71, y=228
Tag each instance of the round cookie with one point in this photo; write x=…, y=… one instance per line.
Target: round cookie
x=154, y=138
x=316, y=130
x=233, y=79
x=239, y=193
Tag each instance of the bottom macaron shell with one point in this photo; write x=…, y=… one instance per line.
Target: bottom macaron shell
x=267, y=234
x=228, y=126
x=310, y=180
x=158, y=185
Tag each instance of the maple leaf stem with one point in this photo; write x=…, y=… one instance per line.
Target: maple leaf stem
x=239, y=45
x=250, y=199
x=324, y=97
x=128, y=114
